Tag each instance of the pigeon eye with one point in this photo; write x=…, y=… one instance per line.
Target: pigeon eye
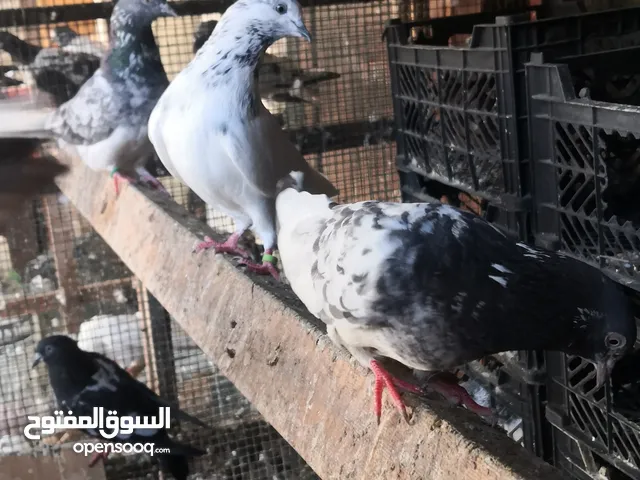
x=281, y=8
x=613, y=340
x=48, y=349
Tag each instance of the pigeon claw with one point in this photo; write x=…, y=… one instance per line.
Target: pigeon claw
x=229, y=246
x=385, y=379
x=266, y=268
x=118, y=178
x=96, y=458
x=457, y=395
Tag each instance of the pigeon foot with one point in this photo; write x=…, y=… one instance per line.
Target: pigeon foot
x=453, y=392
x=118, y=178
x=96, y=458
x=385, y=379
x=266, y=268
x=152, y=182
x=230, y=245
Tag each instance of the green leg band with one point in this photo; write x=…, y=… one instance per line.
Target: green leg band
x=267, y=257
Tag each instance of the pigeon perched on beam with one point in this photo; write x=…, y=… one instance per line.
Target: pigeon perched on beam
x=105, y=124
x=71, y=41
x=82, y=381
x=434, y=287
x=211, y=131
x=278, y=81
x=23, y=174
x=55, y=71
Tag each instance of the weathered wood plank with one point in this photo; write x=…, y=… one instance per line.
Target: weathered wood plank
x=264, y=342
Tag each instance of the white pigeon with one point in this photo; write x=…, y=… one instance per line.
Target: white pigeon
x=212, y=132
x=105, y=124
x=433, y=287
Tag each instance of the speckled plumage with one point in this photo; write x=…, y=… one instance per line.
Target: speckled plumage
x=434, y=287
x=211, y=131
x=278, y=80
x=106, y=122
x=59, y=72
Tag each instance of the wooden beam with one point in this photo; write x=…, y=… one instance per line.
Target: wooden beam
x=263, y=340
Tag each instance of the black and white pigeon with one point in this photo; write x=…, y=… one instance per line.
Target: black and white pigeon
x=434, y=287
x=82, y=381
x=66, y=37
x=23, y=174
x=105, y=124
x=7, y=76
x=212, y=132
x=278, y=81
x=55, y=71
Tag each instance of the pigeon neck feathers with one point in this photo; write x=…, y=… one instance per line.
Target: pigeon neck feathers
x=133, y=52
x=231, y=55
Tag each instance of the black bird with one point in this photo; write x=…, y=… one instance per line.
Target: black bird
x=23, y=175
x=434, y=287
x=56, y=71
x=82, y=381
x=5, y=79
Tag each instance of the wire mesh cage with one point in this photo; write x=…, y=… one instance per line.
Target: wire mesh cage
x=331, y=96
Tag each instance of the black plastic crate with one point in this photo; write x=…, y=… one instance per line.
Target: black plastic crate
x=586, y=164
x=518, y=405
x=581, y=462
x=596, y=431
x=591, y=422
x=461, y=113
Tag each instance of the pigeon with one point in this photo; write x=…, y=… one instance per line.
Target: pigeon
x=82, y=381
x=7, y=74
x=106, y=122
x=434, y=287
x=211, y=131
x=55, y=71
x=278, y=81
x=65, y=37
x=23, y=175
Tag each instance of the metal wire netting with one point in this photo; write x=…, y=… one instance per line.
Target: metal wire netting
x=59, y=276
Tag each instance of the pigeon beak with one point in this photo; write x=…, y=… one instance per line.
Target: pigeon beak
x=37, y=359
x=303, y=32
x=604, y=366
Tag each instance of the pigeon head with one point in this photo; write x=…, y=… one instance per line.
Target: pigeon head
x=55, y=349
x=605, y=333
x=140, y=13
x=202, y=34
x=63, y=35
x=270, y=20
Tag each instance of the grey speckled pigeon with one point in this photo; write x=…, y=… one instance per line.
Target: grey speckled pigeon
x=106, y=122
x=56, y=71
x=211, y=131
x=433, y=287
x=278, y=81
x=70, y=40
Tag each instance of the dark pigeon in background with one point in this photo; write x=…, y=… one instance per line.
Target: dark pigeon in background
x=55, y=71
x=71, y=41
x=105, y=124
x=23, y=175
x=434, y=287
x=278, y=80
x=82, y=381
